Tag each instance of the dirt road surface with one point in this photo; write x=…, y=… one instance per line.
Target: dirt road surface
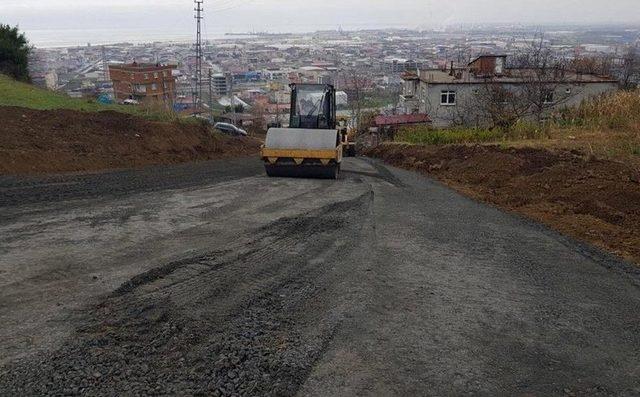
x=211, y=279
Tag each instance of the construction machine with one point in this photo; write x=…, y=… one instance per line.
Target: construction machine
x=314, y=144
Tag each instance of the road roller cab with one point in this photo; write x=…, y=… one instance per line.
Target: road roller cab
x=312, y=146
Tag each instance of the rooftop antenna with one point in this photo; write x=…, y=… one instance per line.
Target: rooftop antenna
x=197, y=93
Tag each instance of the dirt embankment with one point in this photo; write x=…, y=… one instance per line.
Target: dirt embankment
x=35, y=141
x=584, y=197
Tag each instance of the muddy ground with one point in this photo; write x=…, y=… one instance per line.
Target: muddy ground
x=211, y=279
x=40, y=141
x=591, y=199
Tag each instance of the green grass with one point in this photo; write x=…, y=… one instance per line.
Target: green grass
x=427, y=136
x=13, y=93
x=424, y=135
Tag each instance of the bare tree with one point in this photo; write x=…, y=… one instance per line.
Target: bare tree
x=500, y=105
x=540, y=76
x=259, y=113
x=535, y=83
x=353, y=82
x=599, y=65
x=630, y=76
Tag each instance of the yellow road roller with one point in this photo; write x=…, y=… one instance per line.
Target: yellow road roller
x=313, y=145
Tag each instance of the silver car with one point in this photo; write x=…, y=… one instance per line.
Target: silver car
x=230, y=129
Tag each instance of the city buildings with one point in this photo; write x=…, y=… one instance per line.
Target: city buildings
x=367, y=66
x=143, y=82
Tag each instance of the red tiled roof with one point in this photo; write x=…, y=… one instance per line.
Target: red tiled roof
x=402, y=119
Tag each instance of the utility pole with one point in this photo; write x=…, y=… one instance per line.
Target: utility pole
x=105, y=64
x=197, y=93
x=233, y=99
x=210, y=94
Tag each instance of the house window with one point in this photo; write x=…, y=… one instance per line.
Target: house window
x=146, y=76
x=154, y=87
x=548, y=97
x=164, y=73
x=448, y=98
x=155, y=75
x=139, y=88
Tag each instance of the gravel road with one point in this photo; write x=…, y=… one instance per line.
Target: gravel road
x=211, y=279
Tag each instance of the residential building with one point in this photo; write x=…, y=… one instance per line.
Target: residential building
x=143, y=82
x=460, y=95
x=221, y=84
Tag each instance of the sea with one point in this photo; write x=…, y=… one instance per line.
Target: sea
x=52, y=38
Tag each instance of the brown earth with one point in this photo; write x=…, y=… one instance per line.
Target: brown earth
x=36, y=141
x=582, y=196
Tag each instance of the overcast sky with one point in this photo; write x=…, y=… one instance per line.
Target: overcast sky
x=304, y=15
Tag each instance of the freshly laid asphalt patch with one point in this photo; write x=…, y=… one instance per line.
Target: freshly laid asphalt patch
x=595, y=200
x=212, y=279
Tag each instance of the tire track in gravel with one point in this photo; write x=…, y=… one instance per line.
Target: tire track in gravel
x=250, y=320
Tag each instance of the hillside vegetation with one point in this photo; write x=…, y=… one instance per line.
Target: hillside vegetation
x=607, y=127
x=14, y=93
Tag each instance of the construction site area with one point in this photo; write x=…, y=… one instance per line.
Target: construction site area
x=162, y=257
x=368, y=213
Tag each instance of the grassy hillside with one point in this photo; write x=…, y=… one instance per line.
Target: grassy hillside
x=608, y=127
x=13, y=93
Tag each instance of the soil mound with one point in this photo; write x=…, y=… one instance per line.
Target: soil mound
x=37, y=141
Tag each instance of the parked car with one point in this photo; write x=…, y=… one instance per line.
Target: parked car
x=230, y=129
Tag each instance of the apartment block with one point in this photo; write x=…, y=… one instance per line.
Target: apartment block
x=143, y=82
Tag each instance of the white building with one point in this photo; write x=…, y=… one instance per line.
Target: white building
x=456, y=96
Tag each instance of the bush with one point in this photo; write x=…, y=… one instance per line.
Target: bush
x=14, y=53
x=614, y=111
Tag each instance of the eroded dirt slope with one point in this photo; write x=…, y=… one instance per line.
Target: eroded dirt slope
x=36, y=141
x=585, y=197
